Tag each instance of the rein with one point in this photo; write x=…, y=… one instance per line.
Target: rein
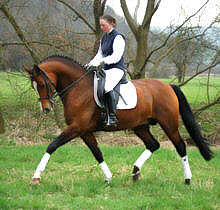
x=55, y=94
x=69, y=87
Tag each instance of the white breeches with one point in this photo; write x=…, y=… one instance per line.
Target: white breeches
x=113, y=76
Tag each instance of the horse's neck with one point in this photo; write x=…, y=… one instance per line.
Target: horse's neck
x=68, y=77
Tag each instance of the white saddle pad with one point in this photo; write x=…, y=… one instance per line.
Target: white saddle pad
x=128, y=92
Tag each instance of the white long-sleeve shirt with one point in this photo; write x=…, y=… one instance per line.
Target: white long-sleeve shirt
x=118, y=51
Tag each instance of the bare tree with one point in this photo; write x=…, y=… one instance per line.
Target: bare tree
x=189, y=48
x=4, y=9
x=19, y=32
x=98, y=10
x=141, y=33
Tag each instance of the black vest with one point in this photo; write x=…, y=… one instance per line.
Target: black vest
x=107, y=49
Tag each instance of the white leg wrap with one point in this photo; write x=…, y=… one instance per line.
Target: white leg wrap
x=42, y=165
x=187, y=171
x=106, y=171
x=143, y=157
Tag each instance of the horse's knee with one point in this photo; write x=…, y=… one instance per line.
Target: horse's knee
x=59, y=141
x=152, y=146
x=156, y=146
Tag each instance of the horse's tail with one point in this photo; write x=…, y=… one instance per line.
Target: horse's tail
x=191, y=124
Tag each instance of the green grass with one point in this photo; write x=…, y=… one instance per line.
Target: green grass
x=14, y=88
x=73, y=180
x=196, y=90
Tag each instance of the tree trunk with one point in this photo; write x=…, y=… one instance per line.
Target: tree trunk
x=2, y=126
x=19, y=32
x=141, y=33
x=141, y=54
x=179, y=75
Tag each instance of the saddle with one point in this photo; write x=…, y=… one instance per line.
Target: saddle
x=101, y=76
x=125, y=92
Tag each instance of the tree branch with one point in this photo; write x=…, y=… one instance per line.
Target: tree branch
x=19, y=32
x=198, y=111
x=165, y=42
x=169, y=50
x=206, y=69
x=103, y=6
x=98, y=10
x=133, y=25
x=150, y=10
x=3, y=44
x=136, y=10
x=78, y=14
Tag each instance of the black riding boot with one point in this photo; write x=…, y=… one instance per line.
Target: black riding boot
x=110, y=99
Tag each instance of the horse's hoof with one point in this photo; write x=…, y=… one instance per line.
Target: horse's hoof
x=35, y=181
x=187, y=181
x=107, y=180
x=136, y=177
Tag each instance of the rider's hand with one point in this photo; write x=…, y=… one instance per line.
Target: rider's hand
x=100, y=66
x=97, y=66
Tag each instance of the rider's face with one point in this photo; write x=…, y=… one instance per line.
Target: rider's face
x=105, y=26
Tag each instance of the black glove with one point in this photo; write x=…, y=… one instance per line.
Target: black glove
x=96, y=68
x=100, y=66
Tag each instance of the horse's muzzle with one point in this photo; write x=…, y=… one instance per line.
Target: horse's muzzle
x=46, y=110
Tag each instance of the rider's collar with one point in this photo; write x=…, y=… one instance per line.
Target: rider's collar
x=110, y=31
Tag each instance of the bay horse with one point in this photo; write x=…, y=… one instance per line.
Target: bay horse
x=157, y=103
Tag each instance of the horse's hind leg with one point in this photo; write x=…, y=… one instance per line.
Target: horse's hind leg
x=143, y=132
x=173, y=134
x=91, y=142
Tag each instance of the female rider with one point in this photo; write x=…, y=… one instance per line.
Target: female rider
x=111, y=53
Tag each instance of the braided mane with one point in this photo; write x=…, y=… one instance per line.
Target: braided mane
x=63, y=58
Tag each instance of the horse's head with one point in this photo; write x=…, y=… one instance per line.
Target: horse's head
x=44, y=85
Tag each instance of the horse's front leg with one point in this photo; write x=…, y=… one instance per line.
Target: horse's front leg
x=63, y=138
x=91, y=142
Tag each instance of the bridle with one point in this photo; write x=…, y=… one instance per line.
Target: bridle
x=52, y=95
x=48, y=82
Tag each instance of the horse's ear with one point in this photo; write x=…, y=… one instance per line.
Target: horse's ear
x=28, y=70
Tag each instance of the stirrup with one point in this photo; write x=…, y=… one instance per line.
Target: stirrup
x=112, y=121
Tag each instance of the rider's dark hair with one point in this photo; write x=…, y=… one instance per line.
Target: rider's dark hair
x=109, y=19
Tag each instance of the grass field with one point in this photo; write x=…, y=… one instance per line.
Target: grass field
x=73, y=180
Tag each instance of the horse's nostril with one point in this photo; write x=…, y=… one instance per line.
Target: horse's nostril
x=46, y=110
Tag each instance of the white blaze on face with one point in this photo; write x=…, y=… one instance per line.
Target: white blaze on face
x=35, y=87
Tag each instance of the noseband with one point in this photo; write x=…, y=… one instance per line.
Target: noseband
x=51, y=95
